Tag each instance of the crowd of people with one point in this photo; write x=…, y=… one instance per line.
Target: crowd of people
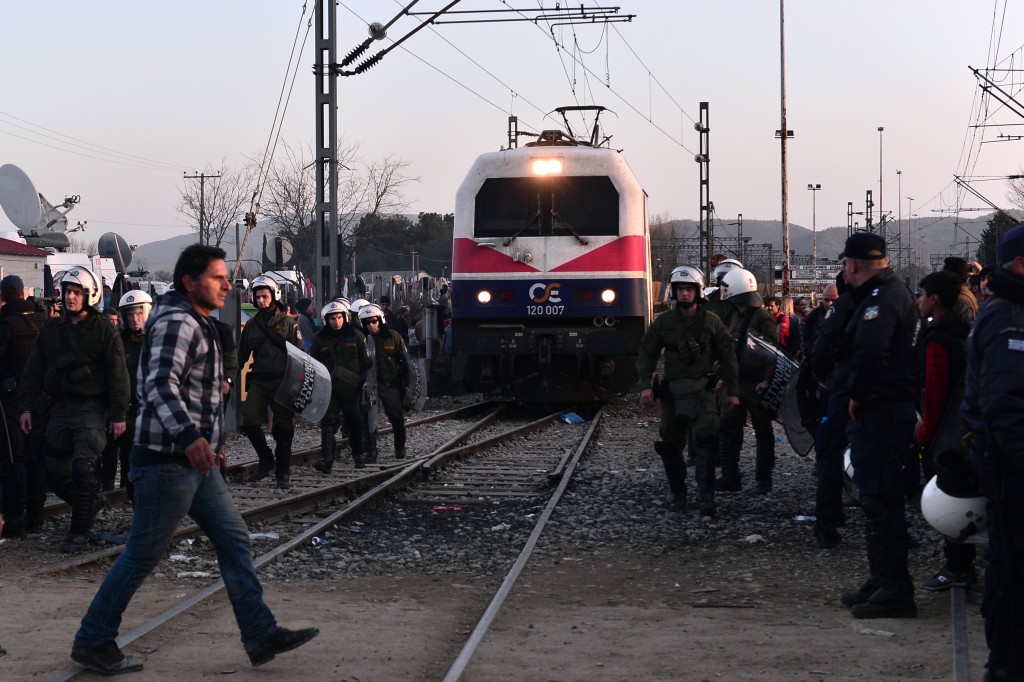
x=916, y=397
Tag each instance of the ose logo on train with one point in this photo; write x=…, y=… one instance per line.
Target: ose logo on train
x=547, y=297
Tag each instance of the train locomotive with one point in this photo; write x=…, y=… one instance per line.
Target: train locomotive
x=551, y=272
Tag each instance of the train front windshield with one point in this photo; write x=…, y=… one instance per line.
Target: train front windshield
x=543, y=207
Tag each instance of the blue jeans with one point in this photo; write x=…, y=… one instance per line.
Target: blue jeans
x=164, y=493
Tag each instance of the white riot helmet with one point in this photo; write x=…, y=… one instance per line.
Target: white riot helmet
x=725, y=266
x=266, y=282
x=369, y=311
x=334, y=307
x=687, y=274
x=848, y=483
x=358, y=304
x=952, y=502
x=739, y=286
x=83, y=277
x=961, y=519
x=134, y=298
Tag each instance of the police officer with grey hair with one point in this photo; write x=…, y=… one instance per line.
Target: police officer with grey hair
x=879, y=367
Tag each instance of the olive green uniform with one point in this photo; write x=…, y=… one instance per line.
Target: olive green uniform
x=117, y=451
x=731, y=433
x=392, y=380
x=344, y=353
x=264, y=337
x=693, y=345
x=81, y=367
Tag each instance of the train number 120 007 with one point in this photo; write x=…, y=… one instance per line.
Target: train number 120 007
x=545, y=309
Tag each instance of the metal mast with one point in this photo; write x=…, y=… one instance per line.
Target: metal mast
x=327, y=153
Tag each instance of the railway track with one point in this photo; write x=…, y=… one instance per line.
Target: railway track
x=444, y=473
x=264, y=503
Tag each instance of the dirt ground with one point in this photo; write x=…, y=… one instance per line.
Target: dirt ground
x=696, y=616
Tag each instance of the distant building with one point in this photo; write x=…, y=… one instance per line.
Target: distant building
x=26, y=262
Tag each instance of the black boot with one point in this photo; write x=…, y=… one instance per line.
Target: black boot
x=764, y=464
x=825, y=534
x=675, y=472
x=894, y=597
x=706, y=448
x=326, y=461
x=283, y=454
x=729, y=459
x=263, y=451
x=369, y=447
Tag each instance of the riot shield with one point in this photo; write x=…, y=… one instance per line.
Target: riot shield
x=306, y=387
x=758, y=359
x=799, y=437
x=416, y=392
x=371, y=406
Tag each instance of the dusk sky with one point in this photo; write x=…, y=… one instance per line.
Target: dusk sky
x=113, y=101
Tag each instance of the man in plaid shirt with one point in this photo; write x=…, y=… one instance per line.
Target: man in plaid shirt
x=175, y=469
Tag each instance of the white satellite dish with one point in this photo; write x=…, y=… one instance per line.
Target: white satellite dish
x=19, y=198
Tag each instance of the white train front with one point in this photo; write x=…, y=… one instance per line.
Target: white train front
x=551, y=272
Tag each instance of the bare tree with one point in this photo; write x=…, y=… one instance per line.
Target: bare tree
x=289, y=197
x=82, y=246
x=222, y=201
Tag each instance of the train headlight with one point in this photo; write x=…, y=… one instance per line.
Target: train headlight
x=484, y=296
x=547, y=166
x=608, y=296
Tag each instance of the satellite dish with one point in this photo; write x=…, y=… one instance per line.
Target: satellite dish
x=112, y=245
x=278, y=251
x=19, y=198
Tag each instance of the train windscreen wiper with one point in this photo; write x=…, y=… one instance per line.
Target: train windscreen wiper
x=530, y=223
x=556, y=221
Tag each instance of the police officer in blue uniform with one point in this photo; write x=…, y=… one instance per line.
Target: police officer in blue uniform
x=993, y=409
x=880, y=378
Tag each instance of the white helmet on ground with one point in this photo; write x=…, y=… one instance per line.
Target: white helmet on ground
x=739, y=286
x=134, y=298
x=83, y=277
x=266, y=282
x=725, y=266
x=687, y=274
x=335, y=307
x=961, y=519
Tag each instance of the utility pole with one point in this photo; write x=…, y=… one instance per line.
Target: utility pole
x=326, y=277
x=784, y=133
x=707, y=237
x=814, y=228
x=204, y=237
x=881, y=208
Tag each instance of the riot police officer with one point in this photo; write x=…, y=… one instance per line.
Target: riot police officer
x=78, y=361
x=264, y=337
x=392, y=373
x=135, y=307
x=343, y=350
x=747, y=314
x=880, y=371
x=993, y=409
x=693, y=340
x=715, y=301
x=21, y=469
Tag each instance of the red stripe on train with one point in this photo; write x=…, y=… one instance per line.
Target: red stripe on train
x=468, y=257
x=624, y=254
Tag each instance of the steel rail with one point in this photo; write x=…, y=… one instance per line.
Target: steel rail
x=484, y=624
x=405, y=471
x=961, y=653
x=244, y=470
x=477, y=446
